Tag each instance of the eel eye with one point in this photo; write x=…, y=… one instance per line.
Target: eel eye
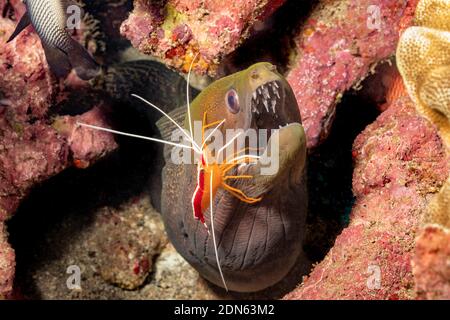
x=232, y=101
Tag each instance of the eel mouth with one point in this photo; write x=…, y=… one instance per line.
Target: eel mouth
x=274, y=108
x=268, y=104
x=266, y=98
x=279, y=142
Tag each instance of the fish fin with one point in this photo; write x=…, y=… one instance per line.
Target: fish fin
x=24, y=22
x=84, y=65
x=166, y=127
x=57, y=60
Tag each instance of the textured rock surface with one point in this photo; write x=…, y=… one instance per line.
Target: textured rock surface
x=7, y=265
x=115, y=248
x=423, y=57
x=176, y=30
x=337, y=47
x=125, y=243
x=431, y=263
x=31, y=150
x=399, y=163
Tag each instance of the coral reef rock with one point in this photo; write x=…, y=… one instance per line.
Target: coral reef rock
x=337, y=47
x=400, y=162
x=121, y=251
x=126, y=242
x=31, y=149
x=7, y=265
x=176, y=30
x=423, y=57
x=431, y=266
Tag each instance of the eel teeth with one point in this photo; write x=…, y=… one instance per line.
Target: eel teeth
x=286, y=125
x=277, y=94
x=266, y=92
x=274, y=104
x=266, y=105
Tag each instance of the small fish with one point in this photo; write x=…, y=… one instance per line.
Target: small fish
x=63, y=53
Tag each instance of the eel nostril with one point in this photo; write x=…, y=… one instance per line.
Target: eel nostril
x=272, y=67
x=254, y=74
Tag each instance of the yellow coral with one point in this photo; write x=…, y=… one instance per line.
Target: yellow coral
x=423, y=58
x=438, y=209
x=433, y=14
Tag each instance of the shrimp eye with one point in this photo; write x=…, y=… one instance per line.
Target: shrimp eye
x=232, y=101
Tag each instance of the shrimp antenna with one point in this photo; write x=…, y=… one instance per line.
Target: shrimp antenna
x=133, y=135
x=228, y=144
x=214, y=233
x=190, y=138
x=246, y=156
x=212, y=133
x=188, y=96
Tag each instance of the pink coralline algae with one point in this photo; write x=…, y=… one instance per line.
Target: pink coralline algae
x=176, y=30
x=31, y=148
x=400, y=162
x=337, y=47
x=7, y=264
x=431, y=265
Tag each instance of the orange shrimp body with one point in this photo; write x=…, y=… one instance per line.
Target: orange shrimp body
x=201, y=197
x=211, y=176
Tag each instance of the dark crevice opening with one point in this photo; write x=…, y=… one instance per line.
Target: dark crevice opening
x=330, y=172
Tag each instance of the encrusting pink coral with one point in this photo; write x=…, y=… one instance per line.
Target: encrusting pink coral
x=31, y=149
x=399, y=162
x=337, y=47
x=176, y=30
x=400, y=182
x=430, y=263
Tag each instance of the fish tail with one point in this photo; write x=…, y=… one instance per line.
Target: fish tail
x=80, y=60
x=57, y=60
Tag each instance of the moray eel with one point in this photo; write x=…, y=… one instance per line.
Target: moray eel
x=423, y=59
x=257, y=243
x=63, y=53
